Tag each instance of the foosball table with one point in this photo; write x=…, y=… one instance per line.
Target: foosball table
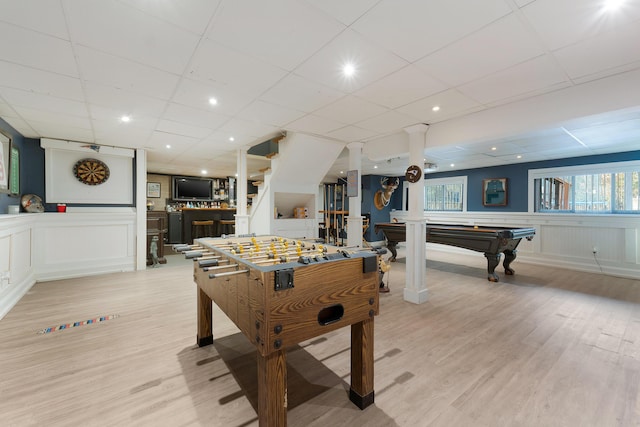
x=280, y=292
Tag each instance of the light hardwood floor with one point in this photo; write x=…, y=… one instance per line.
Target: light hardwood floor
x=546, y=347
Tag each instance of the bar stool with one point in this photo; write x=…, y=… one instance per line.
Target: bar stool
x=227, y=226
x=201, y=229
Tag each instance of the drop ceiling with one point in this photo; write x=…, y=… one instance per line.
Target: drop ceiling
x=70, y=69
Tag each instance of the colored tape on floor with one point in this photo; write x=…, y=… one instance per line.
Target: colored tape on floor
x=74, y=324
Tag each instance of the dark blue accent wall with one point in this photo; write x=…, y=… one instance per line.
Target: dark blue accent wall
x=371, y=184
x=517, y=178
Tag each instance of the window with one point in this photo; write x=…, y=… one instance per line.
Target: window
x=445, y=194
x=603, y=188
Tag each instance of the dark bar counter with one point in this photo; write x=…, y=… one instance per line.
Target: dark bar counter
x=202, y=214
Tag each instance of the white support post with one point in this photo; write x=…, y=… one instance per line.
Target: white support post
x=141, y=209
x=242, y=219
x=354, y=220
x=415, y=290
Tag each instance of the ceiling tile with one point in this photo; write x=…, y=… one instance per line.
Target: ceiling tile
x=214, y=63
x=49, y=19
x=44, y=82
x=370, y=61
x=534, y=76
x=37, y=50
x=413, y=29
x=22, y=98
x=451, y=103
x=401, y=87
x=350, y=110
x=314, y=124
x=196, y=94
x=279, y=32
x=192, y=15
x=66, y=131
x=194, y=116
x=561, y=23
x=246, y=128
x=270, y=114
x=351, y=134
x=51, y=117
x=497, y=46
x=120, y=73
x=177, y=128
x=301, y=94
x=345, y=12
x=388, y=122
x=606, y=52
x=120, y=30
x=125, y=102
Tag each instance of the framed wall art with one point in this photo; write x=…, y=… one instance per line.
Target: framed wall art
x=5, y=160
x=494, y=192
x=153, y=189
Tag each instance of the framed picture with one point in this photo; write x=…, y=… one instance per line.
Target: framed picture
x=5, y=160
x=14, y=171
x=494, y=192
x=153, y=189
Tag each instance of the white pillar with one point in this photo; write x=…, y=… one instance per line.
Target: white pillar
x=415, y=290
x=242, y=219
x=141, y=209
x=354, y=220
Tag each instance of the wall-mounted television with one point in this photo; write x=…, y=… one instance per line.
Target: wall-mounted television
x=187, y=188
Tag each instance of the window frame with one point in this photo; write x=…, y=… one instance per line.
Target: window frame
x=589, y=169
x=460, y=179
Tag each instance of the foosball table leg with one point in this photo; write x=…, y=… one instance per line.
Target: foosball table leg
x=272, y=389
x=361, y=393
x=205, y=330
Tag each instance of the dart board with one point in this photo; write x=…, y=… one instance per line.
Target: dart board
x=91, y=171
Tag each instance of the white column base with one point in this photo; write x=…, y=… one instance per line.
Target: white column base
x=354, y=231
x=242, y=224
x=416, y=297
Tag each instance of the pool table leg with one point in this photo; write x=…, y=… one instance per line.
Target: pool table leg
x=509, y=256
x=492, y=262
x=392, y=248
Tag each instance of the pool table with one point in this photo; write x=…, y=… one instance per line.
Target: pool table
x=492, y=241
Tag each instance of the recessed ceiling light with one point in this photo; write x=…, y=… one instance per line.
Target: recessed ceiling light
x=236, y=174
x=125, y=119
x=341, y=171
x=375, y=166
x=518, y=156
x=231, y=139
x=452, y=165
x=494, y=148
x=203, y=171
x=213, y=101
x=435, y=108
x=168, y=146
x=348, y=69
x=612, y=5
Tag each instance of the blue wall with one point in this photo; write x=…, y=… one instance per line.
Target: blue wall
x=371, y=184
x=517, y=178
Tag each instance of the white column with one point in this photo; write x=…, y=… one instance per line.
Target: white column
x=141, y=209
x=415, y=290
x=354, y=220
x=242, y=219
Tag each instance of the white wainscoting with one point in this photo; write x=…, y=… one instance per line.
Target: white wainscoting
x=50, y=246
x=84, y=244
x=16, y=260
x=565, y=241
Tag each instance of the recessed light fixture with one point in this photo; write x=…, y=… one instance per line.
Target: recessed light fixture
x=494, y=148
x=125, y=119
x=375, y=166
x=236, y=174
x=231, y=139
x=168, y=146
x=452, y=165
x=213, y=101
x=341, y=171
x=435, y=108
x=203, y=171
x=612, y=5
x=519, y=156
x=348, y=69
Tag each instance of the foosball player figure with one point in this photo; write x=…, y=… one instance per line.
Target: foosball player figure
x=383, y=267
